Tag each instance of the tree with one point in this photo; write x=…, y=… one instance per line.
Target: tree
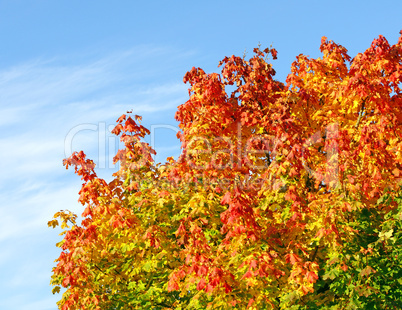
x=284, y=196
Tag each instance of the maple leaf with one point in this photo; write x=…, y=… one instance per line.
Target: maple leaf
x=201, y=284
x=226, y=199
x=130, y=125
x=292, y=258
x=311, y=277
x=121, y=118
x=274, y=53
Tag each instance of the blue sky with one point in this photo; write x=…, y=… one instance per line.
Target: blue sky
x=69, y=69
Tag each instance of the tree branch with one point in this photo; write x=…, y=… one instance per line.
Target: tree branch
x=315, y=254
x=361, y=113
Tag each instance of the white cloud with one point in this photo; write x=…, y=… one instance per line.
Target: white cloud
x=41, y=102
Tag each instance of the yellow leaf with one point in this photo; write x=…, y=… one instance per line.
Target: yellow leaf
x=56, y=289
x=53, y=223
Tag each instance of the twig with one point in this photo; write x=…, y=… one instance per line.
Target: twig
x=315, y=253
x=360, y=113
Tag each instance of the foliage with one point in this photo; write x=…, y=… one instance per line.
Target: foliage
x=284, y=196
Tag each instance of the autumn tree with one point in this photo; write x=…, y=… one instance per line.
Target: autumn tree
x=285, y=196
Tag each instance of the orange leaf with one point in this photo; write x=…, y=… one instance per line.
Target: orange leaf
x=292, y=258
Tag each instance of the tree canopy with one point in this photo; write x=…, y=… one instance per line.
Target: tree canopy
x=285, y=196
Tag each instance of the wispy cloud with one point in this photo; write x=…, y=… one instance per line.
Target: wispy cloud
x=42, y=101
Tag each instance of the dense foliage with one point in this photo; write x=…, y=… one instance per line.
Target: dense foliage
x=285, y=196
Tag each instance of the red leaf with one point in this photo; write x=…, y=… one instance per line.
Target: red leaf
x=292, y=258
x=209, y=288
x=248, y=274
x=172, y=285
x=228, y=288
x=130, y=125
x=226, y=199
x=344, y=267
x=117, y=129
x=306, y=289
x=164, y=193
x=311, y=277
x=201, y=284
x=274, y=53
x=121, y=118
x=202, y=271
x=87, y=212
x=181, y=230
